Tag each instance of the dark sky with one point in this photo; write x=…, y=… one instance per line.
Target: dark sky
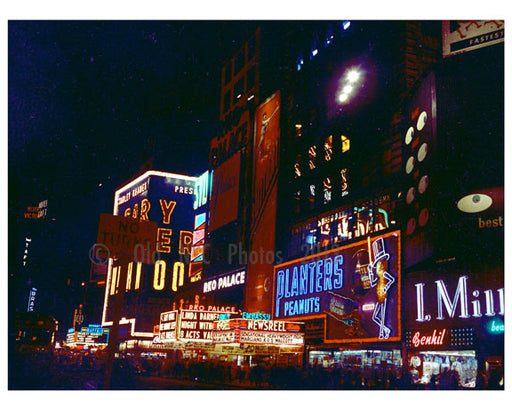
x=89, y=102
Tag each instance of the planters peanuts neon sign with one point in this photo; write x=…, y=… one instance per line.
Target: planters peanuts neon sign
x=331, y=283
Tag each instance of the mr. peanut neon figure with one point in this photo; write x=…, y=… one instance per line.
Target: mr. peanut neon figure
x=382, y=279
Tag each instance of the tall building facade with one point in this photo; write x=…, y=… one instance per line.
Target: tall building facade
x=374, y=206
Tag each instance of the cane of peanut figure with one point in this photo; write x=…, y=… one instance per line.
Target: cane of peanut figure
x=382, y=280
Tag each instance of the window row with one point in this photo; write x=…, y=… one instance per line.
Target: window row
x=318, y=43
x=241, y=88
x=338, y=185
x=313, y=153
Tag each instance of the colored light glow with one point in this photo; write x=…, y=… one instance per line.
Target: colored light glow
x=496, y=327
x=346, y=25
x=368, y=307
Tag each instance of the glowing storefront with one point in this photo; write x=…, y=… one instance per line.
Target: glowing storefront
x=455, y=325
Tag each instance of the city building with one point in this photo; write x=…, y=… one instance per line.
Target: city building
x=362, y=133
x=355, y=188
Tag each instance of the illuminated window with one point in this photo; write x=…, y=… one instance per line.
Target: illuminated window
x=328, y=148
x=296, y=167
x=329, y=40
x=345, y=144
x=298, y=130
x=312, y=191
x=327, y=190
x=312, y=157
x=300, y=63
x=344, y=181
x=238, y=90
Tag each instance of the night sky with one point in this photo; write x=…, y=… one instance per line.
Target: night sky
x=89, y=103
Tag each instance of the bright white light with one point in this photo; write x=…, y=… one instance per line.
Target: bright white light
x=347, y=89
x=346, y=25
x=314, y=52
x=353, y=75
x=342, y=97
x=349, y=84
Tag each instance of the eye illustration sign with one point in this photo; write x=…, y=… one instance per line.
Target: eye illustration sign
x=355, y=287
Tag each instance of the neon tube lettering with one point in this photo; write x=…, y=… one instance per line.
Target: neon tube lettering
x=419, y=303
x=444, y=298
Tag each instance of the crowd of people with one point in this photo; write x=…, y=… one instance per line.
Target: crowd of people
x=265, y=376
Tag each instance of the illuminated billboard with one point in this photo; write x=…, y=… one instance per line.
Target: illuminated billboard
x=88, y=335
x=225, y=192
x=255, y=331
x=168, y=200
x=264, y=203
x=168, y=325
x=191, y=325
x=461, y=36
x=459, y=298
x=197, y=250
x=358, y=296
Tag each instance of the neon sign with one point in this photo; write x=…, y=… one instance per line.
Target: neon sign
x=330, y=283
x=254, y=331
x=448, y=305
x=224, y=281
x=166, y=199
x=496, y=327
x=437, y=338
x=201, y=190
x=31, y=300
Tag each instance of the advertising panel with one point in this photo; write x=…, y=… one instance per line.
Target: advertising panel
x=225, y=187
x=190, y=325
x=420, y=157
x=441, y=300
x=360, y=300
x=225, y=281
x=196, y=326
x=265, y=152
x=234, y=139
x=166, y=199
x=227, y=287
x=197, y=250
x=263, y=211
x=168, y=325
x=460, y=36
x=343, y=224
x=254, y=331
x=88, y=335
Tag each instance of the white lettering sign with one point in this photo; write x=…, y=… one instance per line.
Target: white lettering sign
x=459, y=302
